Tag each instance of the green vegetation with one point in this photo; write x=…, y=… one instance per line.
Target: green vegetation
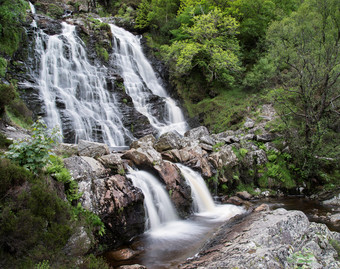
x=33, y=152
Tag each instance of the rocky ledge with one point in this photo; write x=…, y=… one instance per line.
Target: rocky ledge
x=270, y=239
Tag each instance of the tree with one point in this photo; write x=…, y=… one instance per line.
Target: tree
x=306, y=48
x=209, y=46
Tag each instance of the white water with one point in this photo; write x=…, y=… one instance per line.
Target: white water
x=203, y=201
x=140, y=82
x=67, y=77
x=157, y=203
x=200, y=193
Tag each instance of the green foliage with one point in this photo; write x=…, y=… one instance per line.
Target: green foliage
x=336, y=245
x=12, y=13
x=33, y=153
x=94, y=262
x=57, y=170
x=102, y=53
x=7, y=95
x=278, y=171
x=301, y=259
x=211, y=48
x=42, y=265
x=240, y=152
x=217, y=146
x=3, y=67
x=55, y=11
x=304, y=47
x=35, y=224
x=4, y=141
x=11, y=175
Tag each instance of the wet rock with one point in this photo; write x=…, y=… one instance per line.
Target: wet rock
x=133, y=266
x=167, y=141
x=333, y=201
x=263, y=207
x=121, y=254
x=244, y=195
x=49, y=26
x=335, y=218
x=179, y=190
x=234, y=200
x=269, y=240
x=92, y=149
x=113, y=197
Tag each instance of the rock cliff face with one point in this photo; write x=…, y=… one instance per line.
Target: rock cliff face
x=275, y=239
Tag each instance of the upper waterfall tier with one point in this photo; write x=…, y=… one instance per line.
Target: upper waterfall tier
x=74, y=92
x=141, y=83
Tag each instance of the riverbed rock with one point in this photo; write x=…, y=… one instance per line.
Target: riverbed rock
x=92, y=149
x=112, y=197
x=167, y=141
x=143, y=156
x=269, y=240
x=121, y=254
x=244, y=195
x=145, y=141
x=176, y=185
x=113, y=162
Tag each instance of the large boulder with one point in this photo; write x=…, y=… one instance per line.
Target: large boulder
x=270, y=240
x=112, y=197
x=92, y=149
x=179, y=190
x=144, y=155
x=168, y=141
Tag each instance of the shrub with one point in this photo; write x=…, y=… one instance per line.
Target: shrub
x=7, y=94
x=33, y=153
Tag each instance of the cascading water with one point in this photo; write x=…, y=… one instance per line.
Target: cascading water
x=203, y=201
x=141, y=83
x=158, y=205
x=74, y=92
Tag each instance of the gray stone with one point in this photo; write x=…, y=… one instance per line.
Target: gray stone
x=78, y=244
x=197, y=133
x=207, y=139
x=92, y=149
x=269, y=239
x=225, y=157
x=266, y=137
x=114, y=162
x=244, y=195
x=249, y=123
x=167, y=141
x=146, y=141
x=66, y=149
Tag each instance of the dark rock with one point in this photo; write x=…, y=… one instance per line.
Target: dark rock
x=121, y=254
x=266, y=137
x=49, y=26
x=176, y=185
x=244, y=195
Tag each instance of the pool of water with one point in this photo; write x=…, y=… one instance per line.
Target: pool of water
x=175, y=242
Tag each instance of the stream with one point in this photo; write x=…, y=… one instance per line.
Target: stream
x=175, y=242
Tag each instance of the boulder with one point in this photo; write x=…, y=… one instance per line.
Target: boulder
x=145, y=141
x=79, y=244
x=179, y=190
x=249, y=123
x=197, y=133
x=225, y=157
x=121, y=254
x=92, y=149
x=269, y=239
x=112, y=197
x=244, y=195
x=66, y=149
x=168, y=141
x=143, y=156
x=113, y=162
x=266, y=137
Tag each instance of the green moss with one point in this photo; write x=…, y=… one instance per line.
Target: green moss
x=55, y=11
x=102, y=53
x=4, y=142
x=3, y=67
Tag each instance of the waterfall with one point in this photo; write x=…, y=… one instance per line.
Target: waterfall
x=141, y=83
x=202, y=198
x=74, y=92
x=158, y=205
x=203, y=201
